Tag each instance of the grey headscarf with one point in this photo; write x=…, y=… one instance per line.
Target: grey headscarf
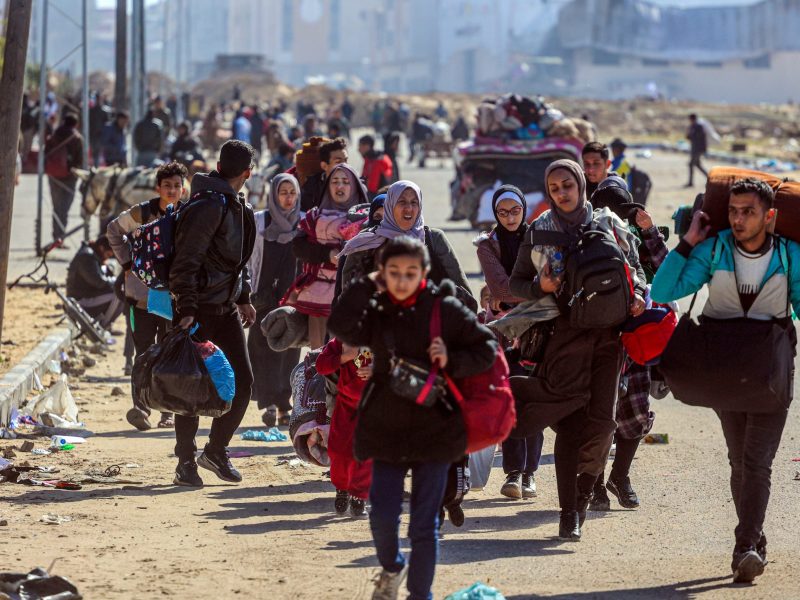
x=283, y=223
x=582, y=215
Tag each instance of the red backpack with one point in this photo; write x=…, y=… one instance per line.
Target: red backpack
x=485, y=399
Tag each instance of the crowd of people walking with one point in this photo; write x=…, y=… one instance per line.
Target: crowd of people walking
x=345, y=262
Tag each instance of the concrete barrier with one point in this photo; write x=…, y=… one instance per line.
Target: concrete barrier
x=20, y=380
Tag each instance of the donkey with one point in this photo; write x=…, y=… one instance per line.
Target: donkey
x=114, y=189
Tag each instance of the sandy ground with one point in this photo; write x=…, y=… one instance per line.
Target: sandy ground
x=276, y=536
x=28, y=317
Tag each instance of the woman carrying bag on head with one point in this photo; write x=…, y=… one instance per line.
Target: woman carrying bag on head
x=497, y=253
x=273, y=268
x=400, y=427
x=574, y=388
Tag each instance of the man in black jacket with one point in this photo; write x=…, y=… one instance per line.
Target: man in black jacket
x=148, y=139
x=213, y=241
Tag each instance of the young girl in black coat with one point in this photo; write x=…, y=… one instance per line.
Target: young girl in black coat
x=390, y=311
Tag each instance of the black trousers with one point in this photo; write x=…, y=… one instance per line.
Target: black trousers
x=227, y=333
x=752, y=440
x=694, y=161
x=271, y=370
x=146, y=329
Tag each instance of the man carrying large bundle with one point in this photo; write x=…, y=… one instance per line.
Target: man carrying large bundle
x=753, y=278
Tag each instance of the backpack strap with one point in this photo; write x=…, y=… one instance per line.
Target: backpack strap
x=715, y=258
x=550, y=238
x=786, y=263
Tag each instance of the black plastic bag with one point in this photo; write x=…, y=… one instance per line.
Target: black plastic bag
x=172, y=377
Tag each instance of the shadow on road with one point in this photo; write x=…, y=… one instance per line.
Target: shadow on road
x=684, y=590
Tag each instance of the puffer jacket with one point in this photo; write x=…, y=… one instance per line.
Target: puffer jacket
x=444, y=265
x=391, y=428
x=213, y=242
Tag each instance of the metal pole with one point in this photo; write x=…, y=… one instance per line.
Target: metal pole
x=144, y=99
x=135, y=87
x=85, y=98
x=18, y=16
x=42, y=129
x=121, y=57
x=162, y=88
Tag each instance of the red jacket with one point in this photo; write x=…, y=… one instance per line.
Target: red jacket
x=378, y=171
x=350, y=385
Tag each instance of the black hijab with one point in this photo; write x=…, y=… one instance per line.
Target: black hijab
x=509, y=241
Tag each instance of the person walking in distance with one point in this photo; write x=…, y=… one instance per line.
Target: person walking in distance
x=63, y=152
x=751, y=275
x=698, y=146
x=210, y=281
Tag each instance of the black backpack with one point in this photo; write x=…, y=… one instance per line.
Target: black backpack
x=640, y=185
x=598, y=288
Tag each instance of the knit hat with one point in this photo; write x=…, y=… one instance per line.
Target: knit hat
x=307, y=159
x=285, y=328
x=612, y=193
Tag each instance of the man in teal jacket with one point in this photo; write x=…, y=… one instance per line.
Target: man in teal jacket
x=746, y=269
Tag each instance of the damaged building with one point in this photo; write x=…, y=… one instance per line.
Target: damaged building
x=623, y=48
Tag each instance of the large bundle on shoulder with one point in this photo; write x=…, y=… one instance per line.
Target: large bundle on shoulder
x=309, y=424
x=787, y=199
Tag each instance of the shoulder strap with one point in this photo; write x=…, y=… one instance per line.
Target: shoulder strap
x=715, y=258
x=786, y=262
x=436, y=318
x=550, y=238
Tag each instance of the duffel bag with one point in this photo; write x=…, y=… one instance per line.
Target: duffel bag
x=787, y=199
x=731, y=364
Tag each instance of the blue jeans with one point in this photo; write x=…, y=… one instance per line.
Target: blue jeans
x=522, y=455
x=428, y=482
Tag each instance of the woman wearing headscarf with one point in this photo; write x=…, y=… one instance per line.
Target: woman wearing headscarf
x=273, y=268
x=403, y=216
x=321, y=237
x=574, y=388
x=497, y=253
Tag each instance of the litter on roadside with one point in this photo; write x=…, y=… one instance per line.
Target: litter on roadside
x=797, y=476
x=273, y=435
x=37, y=585
x=656, y=438
x=477, y=591
x=54, y=519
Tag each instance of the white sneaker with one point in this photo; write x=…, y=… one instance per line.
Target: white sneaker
x=387, y=585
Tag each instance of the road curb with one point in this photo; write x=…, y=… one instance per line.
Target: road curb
x=16, y=383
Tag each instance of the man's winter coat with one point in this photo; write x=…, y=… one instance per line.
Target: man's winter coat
x=213, y=242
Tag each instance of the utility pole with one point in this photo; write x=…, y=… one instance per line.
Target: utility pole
x=42, y=125
x=85, y=91
x=17, y=30
x=120, y=63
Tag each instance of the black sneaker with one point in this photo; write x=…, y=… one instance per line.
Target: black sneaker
x=456, y=514
x=600, y=501
x=747, y=565
x=529, y=486
x=512, y=488
x=761, y=547
x=138, y=419
x=358, y=507
x=582, y=503
x=622, y=489
x=569, y=528
x=186, y=474
x=340, y=504
x=270, y=416
x=220, y=465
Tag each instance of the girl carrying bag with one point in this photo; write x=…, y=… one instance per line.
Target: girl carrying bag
x=743, y=365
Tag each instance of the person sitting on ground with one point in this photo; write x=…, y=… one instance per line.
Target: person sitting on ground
x=751, y=274
x=147, y=328
x=91, y=282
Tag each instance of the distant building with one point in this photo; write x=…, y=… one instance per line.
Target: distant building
x=625, y=48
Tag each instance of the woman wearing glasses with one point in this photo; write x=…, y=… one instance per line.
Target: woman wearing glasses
x=497, y=253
